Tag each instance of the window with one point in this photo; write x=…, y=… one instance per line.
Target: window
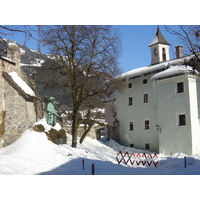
x=180, y=87
x=146, y=124
x=131, y=126
x=182, y=120
x=130, y=101
x=131, y=145
x=130, y=85
x=155, y=52
x=146, y=98
x=164, y=54
x=145, y=81
x=147, y=146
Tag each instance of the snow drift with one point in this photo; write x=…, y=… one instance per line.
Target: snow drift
x=33, y=153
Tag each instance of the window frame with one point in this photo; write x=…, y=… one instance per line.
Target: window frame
x=144, y=81
x=147, y=146
x=130, y=101
x=146, y=98
x=131, y=126
x=182, y=122
x=130, y=85
x=146, y=125
x=180, y=88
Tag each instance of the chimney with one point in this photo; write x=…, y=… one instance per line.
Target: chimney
x=179, y=51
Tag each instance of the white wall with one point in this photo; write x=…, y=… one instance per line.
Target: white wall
x=158, y=58
x=163, y=109
x=137, y=113
x=194, y=86
x=173, y=138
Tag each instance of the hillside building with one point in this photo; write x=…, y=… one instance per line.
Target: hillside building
x=160, y=107
x=17, y=110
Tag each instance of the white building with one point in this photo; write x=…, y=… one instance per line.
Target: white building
x=159, y=108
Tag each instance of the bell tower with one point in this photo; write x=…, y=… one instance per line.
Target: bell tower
x=159, y=48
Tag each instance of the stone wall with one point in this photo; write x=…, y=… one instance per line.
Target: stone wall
x=20, y=114
x=16, y=113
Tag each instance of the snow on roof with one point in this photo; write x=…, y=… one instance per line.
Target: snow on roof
x=144, y=70
x=172, y=71
x=7, y=59
x=21, y=83
x=154, y=68
x=155, y=40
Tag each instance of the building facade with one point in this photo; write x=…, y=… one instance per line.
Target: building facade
x=159, y=108
x=17, y=110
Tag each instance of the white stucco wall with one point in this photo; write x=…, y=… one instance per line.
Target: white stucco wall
x=137, y=113
x=173, y=138
x=194, y=87
x=163, y=109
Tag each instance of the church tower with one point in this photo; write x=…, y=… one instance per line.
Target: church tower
x=159, y=48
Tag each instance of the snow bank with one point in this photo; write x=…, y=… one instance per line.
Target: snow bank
x=33, y=153
x=21, y=83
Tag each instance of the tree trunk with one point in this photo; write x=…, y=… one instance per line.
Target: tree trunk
x=86, y=132
x=74, y=128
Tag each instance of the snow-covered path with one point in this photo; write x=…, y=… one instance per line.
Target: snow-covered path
x=32, y=154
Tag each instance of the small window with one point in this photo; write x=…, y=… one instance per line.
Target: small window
x=182, y=120
x=131, y=145
x=146, y=98
x=155, y=52
x=180, y=87
x=131, y=126
x=146, y=124
x=130, y=101
x=130, y=85
x=147, y=146
x=145, y=81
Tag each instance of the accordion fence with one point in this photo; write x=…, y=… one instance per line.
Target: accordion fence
x=141, y=159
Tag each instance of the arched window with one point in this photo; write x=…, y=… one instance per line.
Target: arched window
x=155, y=52
x=163, y=54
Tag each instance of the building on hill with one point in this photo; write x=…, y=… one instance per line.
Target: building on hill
x=17, y=111
x=160, y=107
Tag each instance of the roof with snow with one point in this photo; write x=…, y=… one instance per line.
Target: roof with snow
x=19, y=85
x=173, y=71
x=159, y=69
x=159, y=38
x=7, y=60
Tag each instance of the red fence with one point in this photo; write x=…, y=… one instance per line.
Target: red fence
x=137, y=158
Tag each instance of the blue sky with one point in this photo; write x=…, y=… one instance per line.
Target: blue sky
x=135, y=40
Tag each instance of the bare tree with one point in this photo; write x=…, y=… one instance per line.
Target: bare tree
x=27, y=32
x=190, y=38
x=85, y=62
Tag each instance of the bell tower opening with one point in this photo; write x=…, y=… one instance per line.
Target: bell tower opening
x=163, y=54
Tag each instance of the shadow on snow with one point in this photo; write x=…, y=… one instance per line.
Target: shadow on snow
x=167, y=166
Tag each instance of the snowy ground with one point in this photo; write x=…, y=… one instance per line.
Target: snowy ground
x=32, y=154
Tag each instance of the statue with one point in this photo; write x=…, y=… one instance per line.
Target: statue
x=51, y=112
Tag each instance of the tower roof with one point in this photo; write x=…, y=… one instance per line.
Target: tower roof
x=159, y=38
